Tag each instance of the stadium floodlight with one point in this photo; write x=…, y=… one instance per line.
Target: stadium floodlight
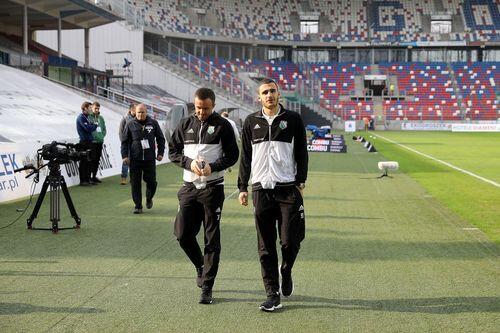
x=387, y=165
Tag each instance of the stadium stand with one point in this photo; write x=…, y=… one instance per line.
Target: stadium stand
x=428, y=87
x=477, y=82
x=349, y=21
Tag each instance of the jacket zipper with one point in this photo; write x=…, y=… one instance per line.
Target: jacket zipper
x=199, y=140
x=143, y=153
x=269, y=149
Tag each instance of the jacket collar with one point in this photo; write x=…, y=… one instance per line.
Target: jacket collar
x=212, y=116
x=281, y=110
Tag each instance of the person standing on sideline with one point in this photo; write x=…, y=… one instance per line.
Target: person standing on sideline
x=274, y=151
x=140, y=136
x=98, y=141
x=128, y=117
x=84, y=127
x=204, y=145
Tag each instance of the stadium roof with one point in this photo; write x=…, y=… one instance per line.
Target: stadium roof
x=43, y=14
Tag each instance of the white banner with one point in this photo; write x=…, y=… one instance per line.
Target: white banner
x=16, y=155
x=376, y=77
x=409, y=126
x=350, y=126
x=476, y=127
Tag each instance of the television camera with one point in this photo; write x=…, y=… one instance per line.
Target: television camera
x=56, y=153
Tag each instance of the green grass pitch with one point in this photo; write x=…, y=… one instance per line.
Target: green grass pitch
x=380, y=255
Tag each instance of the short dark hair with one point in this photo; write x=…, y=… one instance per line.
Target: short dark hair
x=86, y=105
x=204, y=93
x=267, y=81
x=96, y=104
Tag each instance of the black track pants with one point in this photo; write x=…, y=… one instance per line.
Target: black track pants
x=94, y=164
x=197, y=206
x=281, y=207
x=147, y=171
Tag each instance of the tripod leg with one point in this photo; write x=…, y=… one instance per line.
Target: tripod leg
x=55, y=198
x=38, y=203
x=71, y=207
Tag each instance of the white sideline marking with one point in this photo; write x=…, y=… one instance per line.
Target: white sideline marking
x=442, y=162
x=470, y=229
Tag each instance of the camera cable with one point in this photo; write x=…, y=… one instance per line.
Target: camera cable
x=33, y=187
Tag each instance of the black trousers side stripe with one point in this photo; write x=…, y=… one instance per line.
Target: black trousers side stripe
x=279, y=211
x=197, y=206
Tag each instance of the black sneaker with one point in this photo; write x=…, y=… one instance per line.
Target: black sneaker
x=286, y=283
x=138, y=211
x=206, y=295
x=199, y=274
x=96, y=180
x=149, y=203
x=84, y=184
x=273, y=303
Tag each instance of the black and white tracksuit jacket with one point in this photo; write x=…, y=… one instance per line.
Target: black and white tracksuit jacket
x=275, y=155
x=212, y=140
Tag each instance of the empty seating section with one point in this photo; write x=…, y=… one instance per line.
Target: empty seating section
x=429, y=89
x=255, y=19
x=431, y=86
x=337, y=79
x=349, y=20
x=477, y=83
x=164, y=15
x=482, y=17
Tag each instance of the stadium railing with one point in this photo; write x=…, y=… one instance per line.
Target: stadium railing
x=231, y=86
x=156, y=111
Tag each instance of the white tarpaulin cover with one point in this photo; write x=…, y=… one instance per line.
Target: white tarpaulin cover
x=34, y=112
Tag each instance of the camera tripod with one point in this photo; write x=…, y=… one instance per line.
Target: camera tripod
x=54, y=180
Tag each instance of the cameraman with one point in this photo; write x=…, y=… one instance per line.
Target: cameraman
x=85, y=128
x=138, y=151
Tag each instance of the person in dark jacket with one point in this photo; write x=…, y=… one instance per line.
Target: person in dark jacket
x=203, y=145
x=140, y=136
x=128, y=117
x=274, y=152
x=85, y=128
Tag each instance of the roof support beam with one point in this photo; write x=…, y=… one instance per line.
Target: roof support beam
x=25, y=29
x=59, y=36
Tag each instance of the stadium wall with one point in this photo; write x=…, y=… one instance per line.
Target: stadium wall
x=106, y=38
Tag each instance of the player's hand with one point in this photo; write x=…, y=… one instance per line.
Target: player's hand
x=301, y=191
x=159, y=158
x=126, y=161
x=243, y=197
x=195, y=168
x=207, y=170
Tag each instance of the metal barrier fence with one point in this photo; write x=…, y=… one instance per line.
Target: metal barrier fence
x=207, y=72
